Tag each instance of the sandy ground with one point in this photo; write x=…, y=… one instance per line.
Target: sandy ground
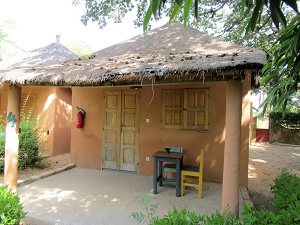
x=50, y=163
x=266, y=161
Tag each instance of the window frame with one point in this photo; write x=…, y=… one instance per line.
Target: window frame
x=185, y=109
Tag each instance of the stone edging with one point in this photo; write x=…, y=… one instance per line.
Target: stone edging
x=245, y=195
x=44, y=175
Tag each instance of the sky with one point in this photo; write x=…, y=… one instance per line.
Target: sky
x=35, y=23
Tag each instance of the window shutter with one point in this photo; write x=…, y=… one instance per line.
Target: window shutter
x=185, y=109
x=196, y=109
x=172, y=105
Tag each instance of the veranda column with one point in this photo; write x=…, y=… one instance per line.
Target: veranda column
x=12, y=137
x=230, y=192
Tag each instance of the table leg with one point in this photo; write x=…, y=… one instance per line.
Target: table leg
x=155, y=176
x=160, y=172
x=178, y=162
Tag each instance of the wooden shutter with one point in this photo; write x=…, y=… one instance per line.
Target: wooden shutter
x=185, y=109
x=196, y=109
x=172, y=108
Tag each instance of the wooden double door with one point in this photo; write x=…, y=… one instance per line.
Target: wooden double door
x=120, y=130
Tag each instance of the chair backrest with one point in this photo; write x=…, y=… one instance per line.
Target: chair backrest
x=200, y=160
x=175, y=149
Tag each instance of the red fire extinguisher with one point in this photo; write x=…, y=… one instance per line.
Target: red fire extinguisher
x=80, y=118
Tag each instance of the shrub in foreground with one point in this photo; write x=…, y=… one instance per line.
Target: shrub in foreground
x=286, y=203
x=286, y=191
x=30, y=145
x=11, y=209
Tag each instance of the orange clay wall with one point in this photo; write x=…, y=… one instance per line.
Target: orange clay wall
x=62, y=121
x=44, y=111
x=154, y=138
x=51, y=103
x=86, y=142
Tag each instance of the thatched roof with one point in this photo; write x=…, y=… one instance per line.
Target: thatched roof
x=50, y=54
x=162, y=53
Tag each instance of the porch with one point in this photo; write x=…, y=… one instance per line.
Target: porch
x=87, y=196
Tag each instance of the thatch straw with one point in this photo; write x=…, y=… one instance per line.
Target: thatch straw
x=50, y=54
x=159, y=53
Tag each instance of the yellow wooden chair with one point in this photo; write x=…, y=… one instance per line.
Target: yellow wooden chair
x=192, y=176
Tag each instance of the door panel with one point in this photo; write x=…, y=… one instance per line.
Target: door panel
x=129, y=131
x=120, y=131
x=111, y=130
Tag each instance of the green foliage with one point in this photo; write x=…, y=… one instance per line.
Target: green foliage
x=150, y=208
x=100, y=11
x=286, y=191
x=175, y=217
x=282, y=71
x=2, y=142
x=285, y=120
x=29, y=145
x=30, y=142
x=220, y=219
x=186, y=217
x=11, y=209
x=224, y=18
x=287, y=203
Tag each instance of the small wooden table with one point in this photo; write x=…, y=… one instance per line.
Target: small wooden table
x=159, y=158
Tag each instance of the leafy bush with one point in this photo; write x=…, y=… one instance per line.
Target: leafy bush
x=286, y=203
x=30, y=143
x=186, y=217
x=286, y=191
x=264, y=217
x=174, y=217
x=220, y=219
x=29, y=146
x=11, y=209
x=288, y=120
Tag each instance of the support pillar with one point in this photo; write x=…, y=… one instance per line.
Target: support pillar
x=12, y=137
x=230, y=191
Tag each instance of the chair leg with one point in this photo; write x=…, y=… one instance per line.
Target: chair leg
x=165, y=177
x=182, y=186
x=200, y=188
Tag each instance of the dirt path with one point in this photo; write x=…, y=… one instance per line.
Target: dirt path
x=266, y=161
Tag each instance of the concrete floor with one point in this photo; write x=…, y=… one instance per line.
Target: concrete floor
x=94, y=197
